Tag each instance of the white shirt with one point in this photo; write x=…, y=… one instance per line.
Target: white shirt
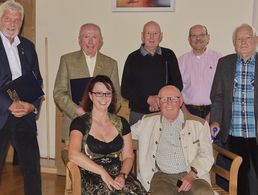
x=91, y=61
x=12, y=55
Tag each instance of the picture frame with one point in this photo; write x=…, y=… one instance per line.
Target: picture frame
x=143, y=5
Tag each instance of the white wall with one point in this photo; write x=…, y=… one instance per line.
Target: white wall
x=60, y=20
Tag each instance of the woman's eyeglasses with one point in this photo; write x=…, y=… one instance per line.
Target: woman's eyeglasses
x=101, y=94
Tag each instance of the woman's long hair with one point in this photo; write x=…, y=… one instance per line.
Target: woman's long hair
x=87, y=104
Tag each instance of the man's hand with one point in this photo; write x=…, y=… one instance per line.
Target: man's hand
x=79, y=111
x=187, y=182
x=214, y=125
x=20, y=108
x=153, y=102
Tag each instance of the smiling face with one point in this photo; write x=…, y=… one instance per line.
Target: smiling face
x=11, y=23
x=90, y=39
x=170, y=100
x=151, y=36
x=198, y=39
x=101, y=97
x=245, y=41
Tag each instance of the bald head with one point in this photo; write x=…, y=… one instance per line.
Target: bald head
x=170, y=100
x=169, y=89
x=151, y=36
x=151, y=24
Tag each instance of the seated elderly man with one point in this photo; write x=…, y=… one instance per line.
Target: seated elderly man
x=175, y=149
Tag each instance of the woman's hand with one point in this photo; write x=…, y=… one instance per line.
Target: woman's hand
x=109, y=181
x=121, y=180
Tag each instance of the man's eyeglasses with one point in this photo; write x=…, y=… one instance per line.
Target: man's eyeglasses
x=193, y=36
x=165, y=99
x=101, y=94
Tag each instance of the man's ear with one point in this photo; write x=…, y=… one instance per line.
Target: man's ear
x=142, y=37
x=256, y=40
x=181, y=101
x=161, y=36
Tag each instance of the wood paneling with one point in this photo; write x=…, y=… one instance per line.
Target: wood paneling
x=29, y=23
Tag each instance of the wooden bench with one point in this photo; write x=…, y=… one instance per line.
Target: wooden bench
x=73, y=184
x=73, y=178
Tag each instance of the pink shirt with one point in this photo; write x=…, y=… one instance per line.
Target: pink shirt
x=197, y=75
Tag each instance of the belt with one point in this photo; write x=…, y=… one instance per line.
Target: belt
x=200, y=108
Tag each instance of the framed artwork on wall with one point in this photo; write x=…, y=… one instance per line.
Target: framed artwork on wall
x=143, y=5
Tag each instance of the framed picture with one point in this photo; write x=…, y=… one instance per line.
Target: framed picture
x=143, y=5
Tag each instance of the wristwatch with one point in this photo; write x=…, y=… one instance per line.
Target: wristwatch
x=194, y=170
x=123, y=174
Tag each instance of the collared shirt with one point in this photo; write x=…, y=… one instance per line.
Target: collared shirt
x=197, y=75
x=91, y=62
x=170, y=156
x=144, y=52
x=12, y=55
x=243, y=119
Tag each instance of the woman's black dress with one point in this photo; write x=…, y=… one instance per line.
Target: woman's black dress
x=107, y=155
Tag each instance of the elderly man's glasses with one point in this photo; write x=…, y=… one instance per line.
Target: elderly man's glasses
x=244, y=39
x=193, y=36
x=101, y=94
x=166, y=99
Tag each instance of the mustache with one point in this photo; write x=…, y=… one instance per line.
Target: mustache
x=198, y=41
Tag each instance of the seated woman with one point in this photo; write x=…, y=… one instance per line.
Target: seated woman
x=101, y=143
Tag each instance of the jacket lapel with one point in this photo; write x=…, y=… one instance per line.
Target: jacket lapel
x=99, y=65
x=5, y=71
x=25, y=66
x=231, y=76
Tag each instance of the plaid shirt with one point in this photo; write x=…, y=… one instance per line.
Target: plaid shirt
x=243, y=119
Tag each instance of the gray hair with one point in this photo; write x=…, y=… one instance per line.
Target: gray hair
x=253, y=30
x=198, y=25
x=11, y=5
x=90, y=25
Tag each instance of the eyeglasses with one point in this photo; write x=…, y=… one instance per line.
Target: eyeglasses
x=244, y=39
x=165, y=99
x=197, y=36
x=101, y=94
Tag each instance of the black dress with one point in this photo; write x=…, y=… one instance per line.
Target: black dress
x=107, y=155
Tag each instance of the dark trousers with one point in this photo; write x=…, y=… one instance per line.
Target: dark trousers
x=201, y=111
x=134, y=117
x=247, y=148
x=19, y=133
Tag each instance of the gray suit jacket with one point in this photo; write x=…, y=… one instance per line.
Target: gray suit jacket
x=222, y=94
x=72, y=66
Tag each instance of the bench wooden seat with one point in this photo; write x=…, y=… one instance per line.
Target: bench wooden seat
x=73, y=186
x=73, y=178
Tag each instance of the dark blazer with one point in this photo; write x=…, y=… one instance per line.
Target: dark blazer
x=29, y=62
x=222, y=94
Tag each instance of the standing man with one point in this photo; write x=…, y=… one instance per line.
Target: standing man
x=234, y=97
x=87, y=62
x=146, y=70
x=197, y=68
x=174, y=146
x=17, y=118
